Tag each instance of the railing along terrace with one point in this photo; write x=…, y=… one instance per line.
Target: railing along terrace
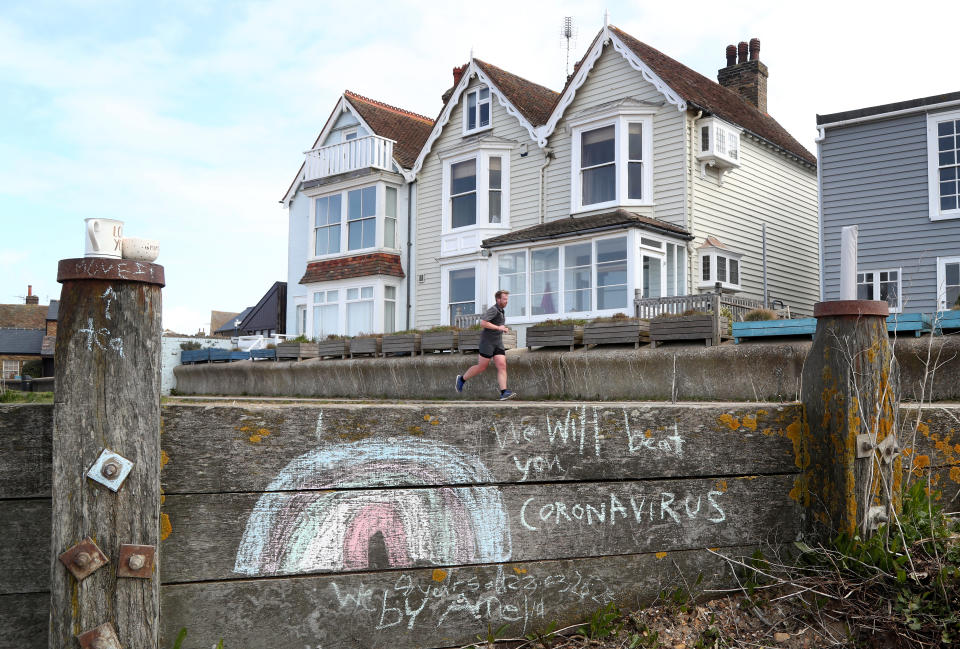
x=370, y=151
x=466, y=320
x=649, y=307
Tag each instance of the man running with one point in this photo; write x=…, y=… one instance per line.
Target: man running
x=491, y=346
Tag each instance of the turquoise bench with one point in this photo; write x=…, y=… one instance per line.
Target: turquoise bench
x=918, y=323
x=948, y=321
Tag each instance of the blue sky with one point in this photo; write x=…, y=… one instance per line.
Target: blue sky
x=188, y=120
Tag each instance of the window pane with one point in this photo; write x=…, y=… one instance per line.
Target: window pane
x=635, y=180
x=597, y=147
x=494, y=206
x=705, y=266
x=354, y=204
x=360, y=317
x=577, y=259
x=513, y=278
x=612, y=273
x=635, y=144
x=369, y=233
x=462, y=285
x=485, y=113
x=671, y=270
x=355, y=235
x=599, y=184
x=945, y=128
x=390, y=292
x=495, y=172
x=545, y=281
x=889, y=293
x=390, y=233
x=483, y=93
x=366, y=293
x=704, y=138
x=952, y=273
x=321, y=211
x=471, y=111
x=721, y=269
x=611, y=249
x=390, y=208
x=948, y=203
x=734, y=271
x=369, y=200
x=325, y=320
x=389, y=317
x=333, y=296
x=353, y=293
x=463, y=177
x=464, y=210
x=948, y=157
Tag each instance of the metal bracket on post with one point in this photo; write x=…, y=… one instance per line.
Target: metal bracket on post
x=110, y=470
x=865, y=446
x=83, y=559
x=888, y=449
x=136, y=561
x=103, y=637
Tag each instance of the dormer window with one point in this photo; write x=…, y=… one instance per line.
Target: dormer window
x=476, y=113
x=719, y=145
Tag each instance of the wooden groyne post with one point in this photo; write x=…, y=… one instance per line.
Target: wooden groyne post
x=104, y=586
x=851, y=395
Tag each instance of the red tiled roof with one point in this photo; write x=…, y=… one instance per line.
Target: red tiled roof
x=410, y=130
x=709, y=95
x=375, y=263
x=535, y=102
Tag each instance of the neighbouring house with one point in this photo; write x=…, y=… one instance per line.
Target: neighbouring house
x=641, y=177
x=220, y=320
x=27, y=333
x=894, y=171
x=265, y=318
x=350, y=208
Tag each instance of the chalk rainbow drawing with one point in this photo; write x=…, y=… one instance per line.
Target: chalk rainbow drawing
x=321, y=513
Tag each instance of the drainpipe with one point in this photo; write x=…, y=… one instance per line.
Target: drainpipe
x=693, y=185
x=541, y=196
x=410, y=268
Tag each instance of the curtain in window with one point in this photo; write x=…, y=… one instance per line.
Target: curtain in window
x=325, y=320
x=545, y=281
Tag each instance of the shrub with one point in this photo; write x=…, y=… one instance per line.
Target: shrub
x=439, y=329
x=577, y=322
x=758, y=315
x=32, y=368
x=190, y=345
x=302, y=338
x=616, y=317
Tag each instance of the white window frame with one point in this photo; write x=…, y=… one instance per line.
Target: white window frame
x=8, y=373
x=348, y=134
x=933, y=166
x=725, y=156
x=301, y=318
x=379, y=297
x=482, y=157
x=942, y=281
x=620, y=121
x=466, y=110
x=379, y=217
x=876, y=284
x=478, y=273
x=714, y=254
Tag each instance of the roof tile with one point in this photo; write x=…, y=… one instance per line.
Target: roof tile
x=617, y=219
x=535, y=102
x=377, y=263
x=408, y=129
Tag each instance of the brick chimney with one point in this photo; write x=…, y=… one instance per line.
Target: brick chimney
x=457, y=75
x=745, y=74
x=31, y=298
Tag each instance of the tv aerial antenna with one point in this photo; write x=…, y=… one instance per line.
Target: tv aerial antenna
x=568, y=31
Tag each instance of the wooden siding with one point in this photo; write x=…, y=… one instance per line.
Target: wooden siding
x=524, y=184
x=767, y=187
x=610, y=80
x=874, y=176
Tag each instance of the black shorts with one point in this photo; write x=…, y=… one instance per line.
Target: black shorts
x=489, y=351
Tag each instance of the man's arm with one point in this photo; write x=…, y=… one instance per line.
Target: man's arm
x=489, y=325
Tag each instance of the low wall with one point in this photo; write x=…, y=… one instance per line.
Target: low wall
x=401, y=525
x=748, y=372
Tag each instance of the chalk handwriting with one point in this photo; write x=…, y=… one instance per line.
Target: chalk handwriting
x=101, y=338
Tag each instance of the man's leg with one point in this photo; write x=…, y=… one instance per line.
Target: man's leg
x=500, y=362
x=476, y=369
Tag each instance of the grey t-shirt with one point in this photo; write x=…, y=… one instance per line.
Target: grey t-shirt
x=493, y=315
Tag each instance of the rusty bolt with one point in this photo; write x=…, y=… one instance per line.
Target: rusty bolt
x=136, y=561
x=82, y=560
x=110, y=469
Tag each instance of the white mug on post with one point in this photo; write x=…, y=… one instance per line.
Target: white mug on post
x=104, y=238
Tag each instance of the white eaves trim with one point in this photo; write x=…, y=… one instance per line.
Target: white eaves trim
x=472, y=70
x=605, y=37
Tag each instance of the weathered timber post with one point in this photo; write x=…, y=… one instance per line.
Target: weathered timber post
x=851, y=395
x=107, y=398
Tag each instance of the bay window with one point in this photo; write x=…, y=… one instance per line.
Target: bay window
x=348, y=221
x=476, y=190
x=943, y=165
x=881, y=285
x=612, y=161
x=719, y=265
x=476, y=112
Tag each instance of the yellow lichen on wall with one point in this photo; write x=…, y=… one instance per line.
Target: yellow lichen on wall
x=439, y=575
x=165, y=527
x=750, y=422
x=728, y=420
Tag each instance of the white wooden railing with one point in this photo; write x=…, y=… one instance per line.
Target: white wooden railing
x=371, y=151
x=246, y=343
x=652, y=306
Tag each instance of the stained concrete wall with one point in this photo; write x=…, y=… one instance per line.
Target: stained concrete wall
x=748, y=372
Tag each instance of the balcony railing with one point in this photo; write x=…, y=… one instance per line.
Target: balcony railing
x=361, y=153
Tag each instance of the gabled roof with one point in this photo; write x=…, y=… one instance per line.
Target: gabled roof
x=409, y=129
x=618, y=219
x=21, y=341
x=712, y=242
x=713, y=98
x=535, y=102
x=269, y=311
x=228, y=327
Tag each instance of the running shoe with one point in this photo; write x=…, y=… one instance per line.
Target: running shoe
x=460, y=383
x=507, y=394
